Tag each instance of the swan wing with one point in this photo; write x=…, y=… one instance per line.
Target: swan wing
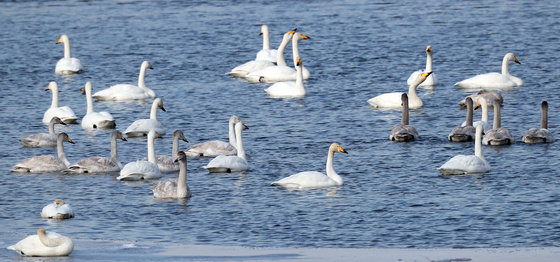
x=227, y=164
x=268, y=55
x=93, y=165
x=464, y=164
x=68, y=66
x=537, y=136
x=211, y=149
x=285, y=89
x=139, y=170
x=141, y=127
x=122, y=92
x=39, y=140
x=95, y=120
x=307, y=179
x=273, y=74
x=36, y=164
x=487, y=81
x=246, y=68
x=462, y=134
x=387, y=100
x=165, y=189
x=65, y=113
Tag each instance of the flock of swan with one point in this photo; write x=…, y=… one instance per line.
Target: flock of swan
x=269, y=66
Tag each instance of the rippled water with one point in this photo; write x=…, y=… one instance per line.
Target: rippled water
x=393, y=195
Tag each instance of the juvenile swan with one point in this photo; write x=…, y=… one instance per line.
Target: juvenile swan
x=393, y=100
x=92, y=119
x=46, y=163
x=468, y=131
x=65, y=113
x=122, y=92
x=67, y=64
x=100, y=164
x=403, y=132
x=313, y=179
x=540, y=135
x=229, y=164
x=498, y=135
x=141, y=127
x=467, y=164
x=43, y=139
x=44, y=244
x=140, y=170
x=215, y=148
x=289, y=89
x=431, y=80
x=57, y=210
x=494, y=80
x=174, y=188
x=168, y=163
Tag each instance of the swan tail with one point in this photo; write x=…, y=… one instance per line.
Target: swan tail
x=20, y=169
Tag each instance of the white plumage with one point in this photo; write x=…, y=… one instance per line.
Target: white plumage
x=237, y=163
x=57, y=210
x=92, y=119
x=142, y=170
x=67, y=64
x=44, y=244
x=141, y=127
x=289, y=89
x=65, y=113
x=215, y=148
x=494, y=80
x=467, y=164
x=393, y=100
x=123, y=92
x=431, y=80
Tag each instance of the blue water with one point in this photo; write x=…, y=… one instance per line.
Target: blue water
x=393, y=195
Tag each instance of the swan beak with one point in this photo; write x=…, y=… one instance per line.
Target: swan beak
x=298, y=62
x=244, y=126
x=517, y=61
x=122, y=138
x=162, y=108
x=429, y=48
x=293, y=31
x=426, y=74
x=340, y=149
x=150, y=67
x=59, y=40
x=184, y=139
x=83, y=91
x=305, y=37
x=158, y=135
x=69, y=140
x=48, y=88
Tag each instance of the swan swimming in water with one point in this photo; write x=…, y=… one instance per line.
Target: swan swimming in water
x=403, y=132
x=65, y=113
x=100, y=164
x=468, y=131
x=540, y=135
x=168, y=163
x=266, y=53
x=289, y=89
x=44, y=244
x=468, y=164
x=174, y=188
x=431, y=80
x=141, y=170
x=141, y=127
x=393, y=100
x=215, y=148
x=494, y=80
x=43, y=139
x=57, y=210
x=313, y=179
x=92, y=119
x=498, y=135
x=67, y=64
x=123, y=92
x=238, y=163
x=46, y=163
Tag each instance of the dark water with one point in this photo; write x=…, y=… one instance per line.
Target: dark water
x=393, y=195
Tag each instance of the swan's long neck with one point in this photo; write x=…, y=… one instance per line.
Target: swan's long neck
x=89, y=99
x=280, y=52
x=240, y=150
x=478, y=143
x=484, y=106
x=54, y=90
x=51, y=128
x=544, y=115
x=412, y=96
x=141, y=82
x=299, y=79
x=175, y=147
x=153, y=111
x=505, y=66
x=469, y=112
x=497, y=117
x=182, y=179
x=404, y=120
x=66, y=43
x=330, y=168
x=49, y=242
x=114, y=154
x=151, y=149
x=428, y=62
x=266, y=38
x=295, y=49
x=60, y=151
x=232, y=139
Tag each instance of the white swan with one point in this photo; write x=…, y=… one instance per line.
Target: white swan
x=100, y=164
x=67, y=64
x=467, y=164
x=289, y=89
x=266, y=53
x=65, y=113
x=93, y=120
x=122, y=92
x=393, y=100
x=498, y=135
x=279, y=72
x=174, y=188
x=57, y=210
x=46, y=163
x=490, y=96
x=43, y=139
x=44, y=244
x=468, y=131
x=403, y=132
x=540, y=135
x=313, y=179
x=494, y=80
x=215, y=148
x=168, y=163
x=431, y=80
x=141, y=127
x=140, y=169
x=256, y=65
x=229, y=164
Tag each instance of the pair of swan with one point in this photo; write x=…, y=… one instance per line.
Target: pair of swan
x=215, y=148
x=403, y=132
x=168, y=163
x=123, y=92
x=238, y=163
x=92, y=119
x=43, y=139
x=57, y=210
x=100, y=164
x=67, y=64
x=539, y=135
x=46, y=163
x=141, y=127
x=174, y=188
x=141, y=169
x=393, y=100
x=44, y=244
x=289, y=89
x=314, y=179
x=65, y=113
x=498, y=135
x=280, y=72
x=468, y=164
x=494, y=80
x=431, y=80
x=468, y=131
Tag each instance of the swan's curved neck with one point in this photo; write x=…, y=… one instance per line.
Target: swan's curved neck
x=141, y=82
x=54, y=103
x=412, y=96
x=232, y=139
x=280, y=52
x=175, y=147
x=330, y=169
x=478, y=143
x=51, y=128
x=153, y=111
x=182, y=179
x=266, y=38
x=114, y=154
x=66, y=43
x=151, y=149
x=240, y=150
x=484, y=106
x=428, y=62
x=299, y=79
x=60, y=151
x=497, y=117
x=544, y=115
x=89, y=99
x=404, y=120
x=295, y=49
x=49, y=242
x=469, y=112
x=505, y=66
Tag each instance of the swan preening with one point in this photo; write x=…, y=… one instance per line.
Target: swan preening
x=43, y=139
x=100, y=164
x=141, y=127
x=93, y=120
x=44, y=244
x=215, y=148
x=228, y=164
x=67, y=64
x=46, y=163
x=174, y=188
x=468, y=131
x=168, y=163
x=57, y=210
x=489, y=96
x=140, y=169
x=65, y=113
x=498, y=135
x=431, y=80
x=313, y=179
x=289, y=89
x=393, y=100
x=468, y=164
x=539, y=135
x=403, y=132
x=494, y=80
x=123, y=92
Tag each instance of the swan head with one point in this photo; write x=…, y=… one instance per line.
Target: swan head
x=180, y=156
x=234, y=119
x=429, y=49
x=146, y=64
x=64, y=137
x=511, y=57
x=56, y=120
x=241, y=122
x=52, y=86
x=298, y=62
x=159, y=103
x=421, y=78
x=300, y=36
x=63, y=39
x=264, y=28
x=118, y=134
x=335, y=147
x=180, y=134
x=58, y=202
